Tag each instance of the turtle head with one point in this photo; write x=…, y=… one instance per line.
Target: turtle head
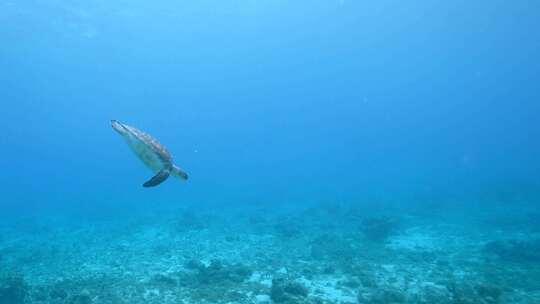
x=119, y=127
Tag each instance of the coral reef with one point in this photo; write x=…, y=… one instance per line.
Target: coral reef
x=315, y=255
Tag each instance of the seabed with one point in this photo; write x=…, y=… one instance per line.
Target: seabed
x=324, y=253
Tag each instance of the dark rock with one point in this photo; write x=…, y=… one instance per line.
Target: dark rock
x=296, y=289
x=283, y=291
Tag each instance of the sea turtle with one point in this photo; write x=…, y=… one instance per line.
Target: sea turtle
x=153, y=154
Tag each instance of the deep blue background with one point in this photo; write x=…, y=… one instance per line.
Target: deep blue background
x=267, y=101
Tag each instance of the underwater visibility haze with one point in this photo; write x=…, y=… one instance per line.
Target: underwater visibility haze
x=338, y=151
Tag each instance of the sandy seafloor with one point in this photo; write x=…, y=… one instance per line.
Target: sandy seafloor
x=322, y=253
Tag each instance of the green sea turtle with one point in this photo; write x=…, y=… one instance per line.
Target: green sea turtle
x=153, y=154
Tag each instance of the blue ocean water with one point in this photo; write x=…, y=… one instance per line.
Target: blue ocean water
x=338, y=151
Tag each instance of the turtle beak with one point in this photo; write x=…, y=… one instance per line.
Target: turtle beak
x=118, y=127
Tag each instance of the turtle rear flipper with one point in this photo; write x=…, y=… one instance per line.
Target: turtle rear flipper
x=160, y=177
x=176, y=171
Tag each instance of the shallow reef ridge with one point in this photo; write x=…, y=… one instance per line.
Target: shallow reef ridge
x=317, y=254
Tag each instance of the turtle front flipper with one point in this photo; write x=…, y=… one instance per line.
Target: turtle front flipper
x=160, y=177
